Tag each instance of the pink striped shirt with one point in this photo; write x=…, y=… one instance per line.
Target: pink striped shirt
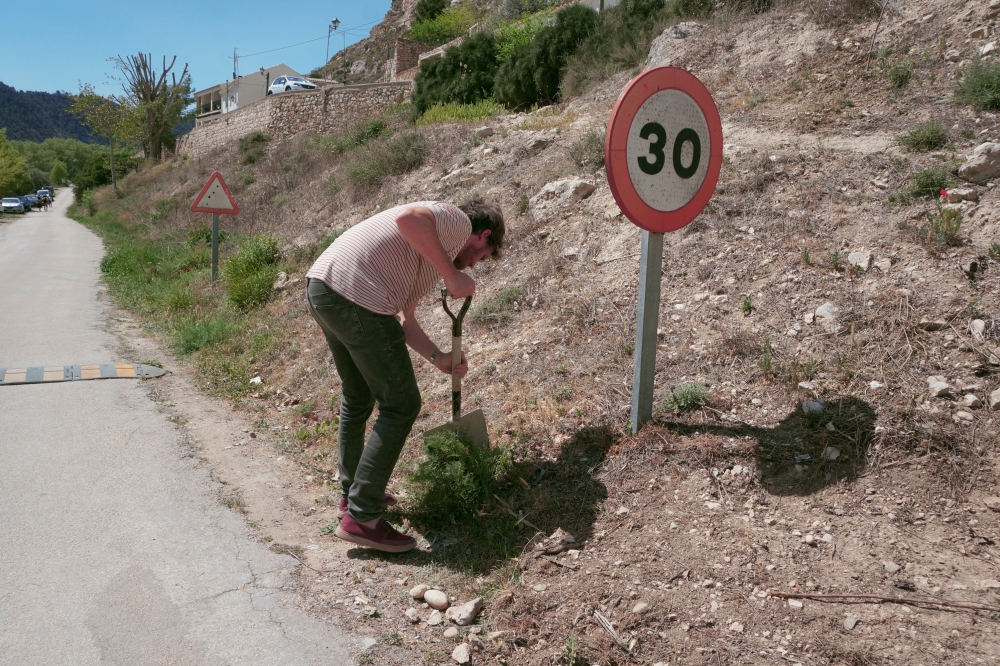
x=372, y=265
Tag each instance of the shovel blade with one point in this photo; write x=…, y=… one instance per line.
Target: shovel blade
x=471, y=428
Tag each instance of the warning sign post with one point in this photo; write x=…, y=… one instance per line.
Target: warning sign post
x=663, y=154
x=215, y=198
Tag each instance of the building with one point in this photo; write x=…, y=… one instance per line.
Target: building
x=232, y=95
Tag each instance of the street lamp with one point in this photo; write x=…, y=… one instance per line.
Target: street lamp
x=334, y=24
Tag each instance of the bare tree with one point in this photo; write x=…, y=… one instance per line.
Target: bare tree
x=162, y=100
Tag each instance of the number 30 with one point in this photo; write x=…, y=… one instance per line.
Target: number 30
x=656, y=150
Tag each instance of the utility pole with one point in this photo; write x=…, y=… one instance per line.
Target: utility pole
x=332, y=28
x=234, y=63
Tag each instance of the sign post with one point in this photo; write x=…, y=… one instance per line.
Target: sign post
x=216, y=199
x=663, y=154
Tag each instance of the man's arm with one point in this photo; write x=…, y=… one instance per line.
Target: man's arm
x=420, y=343
x=419, y=229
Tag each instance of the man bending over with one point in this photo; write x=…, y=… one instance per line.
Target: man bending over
x=363, y=291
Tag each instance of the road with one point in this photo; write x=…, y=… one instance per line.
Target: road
x=115, y=548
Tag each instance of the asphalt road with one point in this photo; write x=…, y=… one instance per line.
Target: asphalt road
x=114, y=548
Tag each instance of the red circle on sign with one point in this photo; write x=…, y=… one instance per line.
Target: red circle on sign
x=635, y=94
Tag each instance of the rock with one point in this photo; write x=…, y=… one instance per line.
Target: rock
x=538, y=143
x=978, y=329
x=938, y=387
x=435, y=618
x=994, y=401
x=830, y=453
x=826, y=316
x=256, y=380
x=989, y=584
x=874, y=385
x=622, y=510
x=280, y=282
x=451, y=632
x=464, y=176
x=979, y=32
x=572, y=253
x=466, y=613
x=985, y=161
x=809, y=317
x=891, y=567
x=412, y=615
x=462, y=654
x=417, y=591
x=963, y=416
x=828, y=537
x=971, y=401
x=559, y=194
x=861, y=258
x=436, y=599
x=813, y=407
x=953, y=55
x=795, y=603
x=713, y=506
x=992, y=503
x=640, y=608
x=988, y=49
x=851, y=622
x=958, y=195
x=736, y=627
x=484, y=132
x=663, y=48
x=932, y=324
x=810, y=539
x=884, y=265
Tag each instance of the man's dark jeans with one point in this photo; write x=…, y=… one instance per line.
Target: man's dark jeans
x=370, y=353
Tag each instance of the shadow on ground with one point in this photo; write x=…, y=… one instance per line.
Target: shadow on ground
x=533, y=499
x=806, y=452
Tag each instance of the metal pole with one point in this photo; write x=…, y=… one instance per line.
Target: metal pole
x=647, y=318
x=215, y=250
x=327, y=46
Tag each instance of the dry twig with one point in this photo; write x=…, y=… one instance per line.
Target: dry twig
x=603, y=621
x=880, y=599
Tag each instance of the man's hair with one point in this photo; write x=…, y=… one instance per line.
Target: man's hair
x=486, y=216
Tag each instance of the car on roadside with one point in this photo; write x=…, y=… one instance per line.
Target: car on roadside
x=32, y=201
x=25, y=203
x=289, y=83
x=12, y=205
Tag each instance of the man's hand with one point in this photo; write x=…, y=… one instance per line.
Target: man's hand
x=460, y=285
x=443, y=363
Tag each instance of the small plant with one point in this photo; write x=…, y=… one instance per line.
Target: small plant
x=236, y=503
x=835, y=261
x=329, y=530
x=570, y=656
x=203, y=333
x=994, y=252
x=588, y=152
x=928, y=136
x=394, y=638
x=805, y=257
x=685, y=397
x=561, y=369
x=747, y=306
x=944, y=228
x=767, y=360
x=490, y=368
x=496, y=310
x=522, y=205
x=248, y=178
x=386, y=158
x=252, y=147
x=281, y=200
x=899, y=75
x=967, y=134
x=249, y=274
x=930, y=182
x=979, y=85
x=562, y=393
x=304, y=408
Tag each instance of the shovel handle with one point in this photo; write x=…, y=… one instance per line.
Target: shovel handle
x=456, y=352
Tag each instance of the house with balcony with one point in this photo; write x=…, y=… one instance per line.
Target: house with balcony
x=223, y=98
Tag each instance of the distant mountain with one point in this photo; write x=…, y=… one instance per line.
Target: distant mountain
x=36, y=116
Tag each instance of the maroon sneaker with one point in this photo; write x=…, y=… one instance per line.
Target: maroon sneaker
x=381, y=537
x=342, y=507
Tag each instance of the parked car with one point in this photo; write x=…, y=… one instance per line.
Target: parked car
x=25, y=203
x=12, y=205
x=32, y=201
x=289, y=83
x=51, y=190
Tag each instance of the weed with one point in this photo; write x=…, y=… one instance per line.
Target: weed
x=395, y=638
x=454, y=113
x=522, y=205
x=979, y=85
x=835, y=261
x=253, y=524
x=338, y=144
x=365, y=658
x=490, y=369
x=588, y=152
x=248, y=178
x=943, y=228
x=739, y=345
x=562, y=393
x=930, y=182
x=747, y=306
x=767, y=360
x=497, y=309
x=304, y=408
x=386, y=158
x=928, y=136
x=252, y=147
x=329, y=530
x=561, y=369
x=570, y=656
x=281, y=200
x=805, y=257
x=899, y=75
x=204, y=333
x=994, y=252
x=203, y=236
x=967, y=134
x=685, y=397
x=236, y=503
x=249, y=274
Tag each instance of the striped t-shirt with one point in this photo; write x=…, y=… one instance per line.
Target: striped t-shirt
x=372, y=265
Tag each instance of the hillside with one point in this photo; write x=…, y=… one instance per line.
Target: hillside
x=36, y=116
x=841, y=322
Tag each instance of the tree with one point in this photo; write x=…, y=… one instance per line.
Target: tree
x=13, y=168
x=58, y=174
x=162, y=103
x=427, y=10
x=108, y=117
x=463, y=75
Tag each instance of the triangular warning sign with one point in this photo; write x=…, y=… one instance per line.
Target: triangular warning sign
x=215, y=198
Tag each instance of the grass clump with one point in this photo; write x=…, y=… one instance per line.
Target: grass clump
x=446, y=25
x=456, y=113
x=380, y=160
x=456, y=480
x=252, y=147
x=338, y=144
x=943, y=228
x=497, y=309
x=588, y=152
x=928, y=136
x=899, y=75
x=930, y=182
x=685, y=397
x=249, y=274
x=979, y=85
x=204, y=333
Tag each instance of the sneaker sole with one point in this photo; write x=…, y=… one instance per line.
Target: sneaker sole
x=361, y=541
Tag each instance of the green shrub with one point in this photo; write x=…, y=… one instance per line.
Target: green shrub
x=930, y=182
x=455, y=480
x=496, y=310
x=252, y=147
x=249, y=274
x=380, y=160
x=428, y=10
x=899, y=75
x=203, y=333
x=620, y=41
x=463, y=75
x=588, y=152
x=532, y=74
x=515, y=35
x=446, y=26
x=979, y=85
x=453, y=113
x=338, y=144
x=944, y=228
x=928, y=136
x=685, y=397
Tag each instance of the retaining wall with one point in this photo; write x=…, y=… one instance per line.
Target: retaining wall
x=326, y=111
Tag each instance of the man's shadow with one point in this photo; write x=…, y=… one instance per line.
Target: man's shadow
x=532, y=500
x=810, y=449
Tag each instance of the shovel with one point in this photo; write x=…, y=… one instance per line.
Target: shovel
x=471, y=428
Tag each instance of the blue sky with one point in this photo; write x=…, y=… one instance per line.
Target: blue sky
x=61, y=43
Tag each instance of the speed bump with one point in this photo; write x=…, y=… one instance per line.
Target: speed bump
x=67, y=373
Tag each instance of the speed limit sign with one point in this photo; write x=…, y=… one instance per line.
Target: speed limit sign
x=663, y=154
x=663, y=149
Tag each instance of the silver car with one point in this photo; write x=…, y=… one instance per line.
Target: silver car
x=289, y=83
x=12, y=205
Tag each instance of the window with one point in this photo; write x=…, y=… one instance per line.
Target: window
x=278, y=80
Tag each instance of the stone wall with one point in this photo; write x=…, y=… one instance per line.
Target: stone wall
x=327, y=111
x=405, y=56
